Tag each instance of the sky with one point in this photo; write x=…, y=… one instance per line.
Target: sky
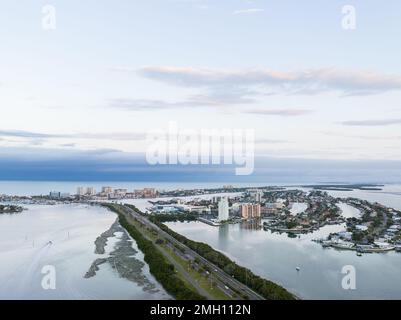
x=85, y=94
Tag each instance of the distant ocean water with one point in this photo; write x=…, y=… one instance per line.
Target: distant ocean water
x=21, y=188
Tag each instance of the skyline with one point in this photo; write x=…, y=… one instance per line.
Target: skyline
x=84, y=95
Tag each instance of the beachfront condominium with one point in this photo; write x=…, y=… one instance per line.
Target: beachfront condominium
x=107, y=190
x=223, y=209
x=250, y=211
x=82, y=191
x=90, y=191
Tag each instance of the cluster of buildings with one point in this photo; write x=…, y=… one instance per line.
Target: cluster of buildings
x=272, y=208
x=106, y=193
x=249, y=205
x=146, y=193
x=219, y=208
x=256, y=195
x=114, y=194
x=252, y=206
x=246, y=211
x=56, y=195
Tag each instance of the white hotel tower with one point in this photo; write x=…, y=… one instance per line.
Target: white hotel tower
x=223, y=209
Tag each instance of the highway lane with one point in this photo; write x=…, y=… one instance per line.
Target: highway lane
x=216, y=271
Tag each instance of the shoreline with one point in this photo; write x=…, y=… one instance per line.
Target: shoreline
x=121, y=258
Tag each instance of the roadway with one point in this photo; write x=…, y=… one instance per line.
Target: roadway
x=214, y=270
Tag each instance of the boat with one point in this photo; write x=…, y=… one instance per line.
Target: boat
x=298, y=268
x=343, y=245
x=326, y=243
x=359, y=254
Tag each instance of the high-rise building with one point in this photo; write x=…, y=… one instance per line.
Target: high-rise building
x=223, y=209
x=250, y=211
x=107, y=190
x=90, y=191
x=81, y=191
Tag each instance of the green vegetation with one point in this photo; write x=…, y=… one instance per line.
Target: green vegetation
x=265, y=288
x=202, y=279
x=170, y=217
x=185, y=216
x=162, y=270
x=358, y=236
x=290, y=224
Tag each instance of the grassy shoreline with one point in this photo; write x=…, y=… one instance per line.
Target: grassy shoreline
x=161, y=269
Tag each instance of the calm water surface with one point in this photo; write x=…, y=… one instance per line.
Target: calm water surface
x=274, y=256
x=72, y=229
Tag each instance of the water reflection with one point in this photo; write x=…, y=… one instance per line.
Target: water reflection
x=255, y=224
x=224, y=235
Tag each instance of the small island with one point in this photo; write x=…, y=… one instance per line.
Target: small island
x=10, y=209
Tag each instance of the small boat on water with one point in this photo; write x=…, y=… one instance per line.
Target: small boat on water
x=298, y=268
x=343, y=245
x=359, y=254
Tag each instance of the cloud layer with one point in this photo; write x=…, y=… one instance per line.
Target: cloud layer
x=222, y=88
x=248, y=11
x=280, y=112
x=312, y=81
x=370, y=123
x=94, y=136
